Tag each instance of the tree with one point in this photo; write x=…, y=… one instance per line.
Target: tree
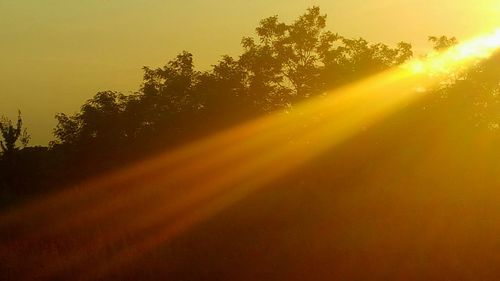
x=289, y=62
x=12, y=135
x=167, y=92
x=99, y=121
x=441, y=43
x=355, y=59
x=284, y=63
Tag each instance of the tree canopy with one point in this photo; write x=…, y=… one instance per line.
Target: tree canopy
x=280, y=66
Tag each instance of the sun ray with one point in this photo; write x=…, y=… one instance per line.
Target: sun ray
x=152, y=201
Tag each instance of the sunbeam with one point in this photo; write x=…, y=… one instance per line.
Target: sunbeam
x=121, y=216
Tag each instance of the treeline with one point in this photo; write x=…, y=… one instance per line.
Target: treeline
x=279, y=67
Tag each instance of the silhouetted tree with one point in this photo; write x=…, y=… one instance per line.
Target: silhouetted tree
x=97, y=122
x=283, y=64
x=441, y=43
x=12, y=135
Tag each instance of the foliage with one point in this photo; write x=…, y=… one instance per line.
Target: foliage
x=283, y=64
x=12, y=135
x=441, y=43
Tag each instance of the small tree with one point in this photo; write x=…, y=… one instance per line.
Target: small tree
x=12, y=135
x=441, y=43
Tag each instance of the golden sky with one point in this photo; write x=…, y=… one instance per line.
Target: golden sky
x=55, y=54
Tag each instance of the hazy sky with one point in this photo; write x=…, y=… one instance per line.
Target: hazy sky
x=55, y=54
